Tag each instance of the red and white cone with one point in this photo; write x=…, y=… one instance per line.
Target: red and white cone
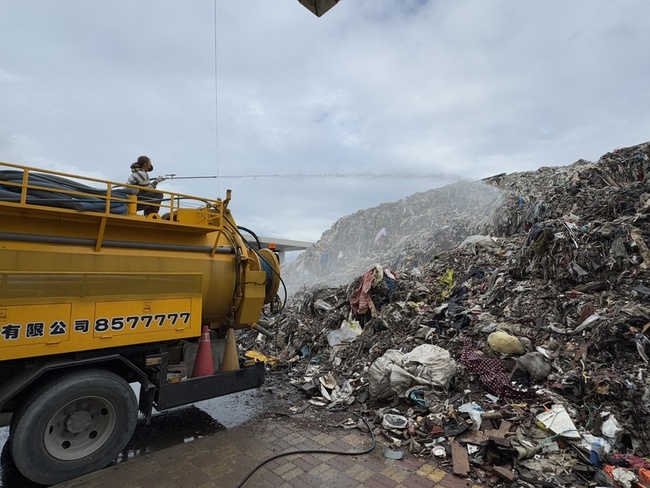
x=203, y=365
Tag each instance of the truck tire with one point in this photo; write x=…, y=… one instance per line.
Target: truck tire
x=72, y=426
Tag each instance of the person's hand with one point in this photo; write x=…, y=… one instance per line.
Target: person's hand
x=160, y=179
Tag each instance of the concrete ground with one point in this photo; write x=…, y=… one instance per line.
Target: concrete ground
x=225, y=458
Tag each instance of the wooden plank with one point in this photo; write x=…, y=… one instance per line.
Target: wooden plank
x=505, y=427
x=500, y=441
x=501, y=432
x=504, y=473
x=460, y=459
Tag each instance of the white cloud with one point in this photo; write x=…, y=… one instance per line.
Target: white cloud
x=461, y=88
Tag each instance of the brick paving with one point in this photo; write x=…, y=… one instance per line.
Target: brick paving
x=223, y=459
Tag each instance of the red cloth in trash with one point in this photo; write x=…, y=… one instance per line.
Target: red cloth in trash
x=492, y=374
x=361, y=302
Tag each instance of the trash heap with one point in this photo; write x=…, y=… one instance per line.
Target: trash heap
x=510, y=346
x=401, y=235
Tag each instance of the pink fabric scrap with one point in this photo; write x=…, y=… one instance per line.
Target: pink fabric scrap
x=492, y=374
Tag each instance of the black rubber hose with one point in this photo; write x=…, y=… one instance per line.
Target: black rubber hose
x=315, y=451
x=236, y=228
x=257, y=240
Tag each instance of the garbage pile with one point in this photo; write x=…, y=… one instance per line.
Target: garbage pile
x=400, y=234
x=511, y=347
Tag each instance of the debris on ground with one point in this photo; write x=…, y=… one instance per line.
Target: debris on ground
x=498, y=328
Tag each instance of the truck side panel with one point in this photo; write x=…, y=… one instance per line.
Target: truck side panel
x=105, y=310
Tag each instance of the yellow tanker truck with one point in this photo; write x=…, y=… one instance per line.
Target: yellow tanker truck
x=95, y=297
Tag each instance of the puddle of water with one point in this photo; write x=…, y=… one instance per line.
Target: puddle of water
x=234, y=409
x=167, y=429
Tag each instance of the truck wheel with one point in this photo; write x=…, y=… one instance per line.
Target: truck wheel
x=77, y=424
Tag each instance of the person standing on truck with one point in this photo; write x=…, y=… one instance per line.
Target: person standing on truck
x=140, y=177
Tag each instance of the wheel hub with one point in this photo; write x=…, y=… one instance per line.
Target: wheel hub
x=78, y=422
x=80, y=428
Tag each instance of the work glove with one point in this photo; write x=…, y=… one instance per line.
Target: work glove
x=160, y=179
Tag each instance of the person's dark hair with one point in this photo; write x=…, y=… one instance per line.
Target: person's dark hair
x=141, y=161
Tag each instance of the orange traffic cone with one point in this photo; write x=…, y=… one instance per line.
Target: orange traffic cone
x=203, y=363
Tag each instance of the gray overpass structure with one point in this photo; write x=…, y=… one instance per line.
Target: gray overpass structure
x=283, y=246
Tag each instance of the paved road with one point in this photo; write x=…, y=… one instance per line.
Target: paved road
x=223, y=459
x=188, y=448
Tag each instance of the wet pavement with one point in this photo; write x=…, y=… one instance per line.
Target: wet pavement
x=225, y=458
x=167, y=429
x=220, y=442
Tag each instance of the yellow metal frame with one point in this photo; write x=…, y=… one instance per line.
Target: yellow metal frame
x=182, y=210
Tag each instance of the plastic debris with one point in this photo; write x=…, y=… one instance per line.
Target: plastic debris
x=558, y=421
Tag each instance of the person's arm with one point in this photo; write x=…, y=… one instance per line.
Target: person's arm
x=140, y=178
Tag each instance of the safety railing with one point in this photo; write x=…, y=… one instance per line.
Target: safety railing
x=54, y=190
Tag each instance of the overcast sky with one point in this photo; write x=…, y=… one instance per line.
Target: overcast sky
x=441, y=90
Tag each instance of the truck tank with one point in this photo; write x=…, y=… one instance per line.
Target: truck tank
x=77, y=250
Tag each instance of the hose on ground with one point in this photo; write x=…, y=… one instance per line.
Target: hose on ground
x=315, y=451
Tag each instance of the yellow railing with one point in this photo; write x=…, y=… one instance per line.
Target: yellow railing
x=37, y=188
